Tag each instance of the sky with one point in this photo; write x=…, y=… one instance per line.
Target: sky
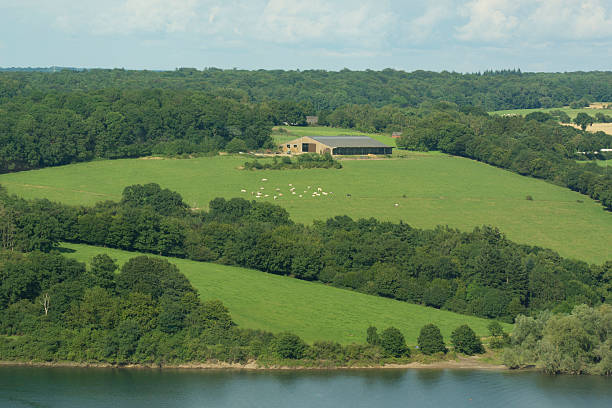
x=451, y=35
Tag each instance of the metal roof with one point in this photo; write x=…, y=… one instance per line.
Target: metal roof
x=348, y=141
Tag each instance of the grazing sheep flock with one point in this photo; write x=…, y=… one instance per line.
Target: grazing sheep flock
x=314, y=192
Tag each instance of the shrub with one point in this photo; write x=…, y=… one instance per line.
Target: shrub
x=393, y=343
x=372, y=336
x=289, y=345
x=430, y=340
x=236, y=145
x=465, y=341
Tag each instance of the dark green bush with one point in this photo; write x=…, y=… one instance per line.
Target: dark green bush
x=430, y=340
x=393, y=343
x=465, y=341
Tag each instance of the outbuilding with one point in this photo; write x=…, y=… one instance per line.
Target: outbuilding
x=336, y=145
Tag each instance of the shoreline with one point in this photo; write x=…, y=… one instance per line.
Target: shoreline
x=464, y=363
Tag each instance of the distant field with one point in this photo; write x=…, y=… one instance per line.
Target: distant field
x=570, y=112
x=287, y=133
x=312, y=310
x=596, y=127
x=429, y=188
x=602, y=163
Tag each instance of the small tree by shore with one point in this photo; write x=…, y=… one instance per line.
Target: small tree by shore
x=465, y=341
x=430, y=340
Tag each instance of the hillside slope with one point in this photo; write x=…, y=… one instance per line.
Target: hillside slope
x=429, y=189
x=312, y=310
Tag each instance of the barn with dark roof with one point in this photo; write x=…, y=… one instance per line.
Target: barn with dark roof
x=336, y=145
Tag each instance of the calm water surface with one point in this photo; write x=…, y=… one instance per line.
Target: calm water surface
x=115, y=388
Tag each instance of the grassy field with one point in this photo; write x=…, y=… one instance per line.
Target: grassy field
x=282, y=134
x=312, y=310
x=429, y=188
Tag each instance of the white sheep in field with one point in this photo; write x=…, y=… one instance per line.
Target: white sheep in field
x=308, y=187
x=319, y=189
x=290, y=185
x=278, y=189
x=396, y=204
x=243, y=191
x=293, y=192
x=264, y=179
x=261, y=188
x=275, y=197
x=324, y=193
x=267, y=195
x=300, y=196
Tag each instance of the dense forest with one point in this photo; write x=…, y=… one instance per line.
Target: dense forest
x=479, y=272
x=327, y=90
x=59, y=128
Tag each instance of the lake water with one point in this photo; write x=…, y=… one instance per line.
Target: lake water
x=119, y=388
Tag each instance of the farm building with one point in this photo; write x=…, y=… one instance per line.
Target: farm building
x=336, y=145
x=312, y=120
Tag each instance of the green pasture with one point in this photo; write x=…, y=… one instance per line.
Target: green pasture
x=282, y=134
x=429, y=189
x=312, y=310
x=602, y=163
x=572, y=113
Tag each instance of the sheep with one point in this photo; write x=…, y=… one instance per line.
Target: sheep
x=243, y=191
x=267, y=195
x=290, y=185
x=275, y=197
x=396, y=204
x=261, y=188
x=324, y=193
x=264, y=179
x=293, y=192
x=300, y=196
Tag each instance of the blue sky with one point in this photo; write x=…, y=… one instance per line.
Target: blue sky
x=461, y=35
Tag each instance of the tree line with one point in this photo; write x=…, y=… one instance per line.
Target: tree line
x=318, y=90
x=479, y=272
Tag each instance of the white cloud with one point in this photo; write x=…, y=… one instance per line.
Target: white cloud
x=147, y=16
x=580, y=20
x=489, y=20
x=421, y=28
x=363, y=24
x=535, y=20
x=295, y=21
